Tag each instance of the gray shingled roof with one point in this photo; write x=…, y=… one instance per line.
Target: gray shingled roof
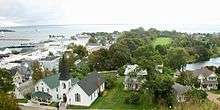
x=91, y=82
x=203, y=71
x=180, y=89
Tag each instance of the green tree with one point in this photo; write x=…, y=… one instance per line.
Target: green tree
x=133, y=98
x=99, y=60
x=197, y=96
x=161, y=49
x=147, y=58
x=177, y=58
x=161, y=88
x=203, y=52
x=8, y=102
x=6, y=81
x=92, y=40
x=187, y=78
x=38, y=72
x=80, y=71
x=119, y=55
x=81, y=51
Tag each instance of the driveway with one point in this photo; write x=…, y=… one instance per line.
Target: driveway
x=213, y=97
x=31, y=106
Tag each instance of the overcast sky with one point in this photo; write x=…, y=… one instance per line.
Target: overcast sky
x=44, y=12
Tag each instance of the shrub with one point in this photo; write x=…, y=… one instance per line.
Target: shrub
x=110, y=81
x=121, y=71
x=134, y=99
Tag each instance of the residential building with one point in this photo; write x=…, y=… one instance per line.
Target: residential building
x=50, y=62
x=66, y=90
x=133, y=77
x=207, y=78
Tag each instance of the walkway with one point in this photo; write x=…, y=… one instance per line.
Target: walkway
x=31, y=106
x=213, y=97
x=62, y=106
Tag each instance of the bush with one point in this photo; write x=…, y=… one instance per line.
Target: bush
x=197, y=95
x=28, y=96
x=121, y=71
x=110, y=81
x=134, y=99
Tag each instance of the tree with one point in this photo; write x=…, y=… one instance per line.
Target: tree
x=92, y=40
x=161, y=88
x=177, y=58
x=8, y=102
x=81, y=51
x=110, y=81
x=187, y=78
x=147, y=58
x=197, y=95
x=119, y=55
x=161, y=49
x=203, y=52
x=80, y=71
x=133, y=98
x=38, y=72
x=6, y=81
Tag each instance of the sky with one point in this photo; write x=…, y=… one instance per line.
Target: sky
x=58, y=12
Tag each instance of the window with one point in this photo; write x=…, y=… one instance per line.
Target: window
x=47, y=89
x=91, y=97
x=41, y=83
x=57, y=89
x=64, y=86
x=37, y=88
x=57, y=96
x=42, y=89
x=77, y=97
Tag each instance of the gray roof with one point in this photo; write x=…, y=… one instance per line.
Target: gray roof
x=91, y=83
x=202, y=71
x=49, y=58
x=180, y=89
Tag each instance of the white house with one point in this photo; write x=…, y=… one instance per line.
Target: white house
x=50, y=63
x=69, y=91
x=207, y=78
x=132, y=75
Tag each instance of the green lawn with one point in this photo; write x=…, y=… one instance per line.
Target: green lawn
x=114, y=99
x=162, y=41
x=22, y=100
x=215, y=91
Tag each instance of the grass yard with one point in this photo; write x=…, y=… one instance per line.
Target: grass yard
x=215, y=91
x=22, y=100
x=162, y=41
x=207, y=105
x=114, y=99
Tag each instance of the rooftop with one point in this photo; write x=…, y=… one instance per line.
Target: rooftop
x=91, y=83
x=202, y=71
x=52, y=81
x=49, y=58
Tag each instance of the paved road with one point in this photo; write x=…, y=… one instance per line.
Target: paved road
x=213, y=97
